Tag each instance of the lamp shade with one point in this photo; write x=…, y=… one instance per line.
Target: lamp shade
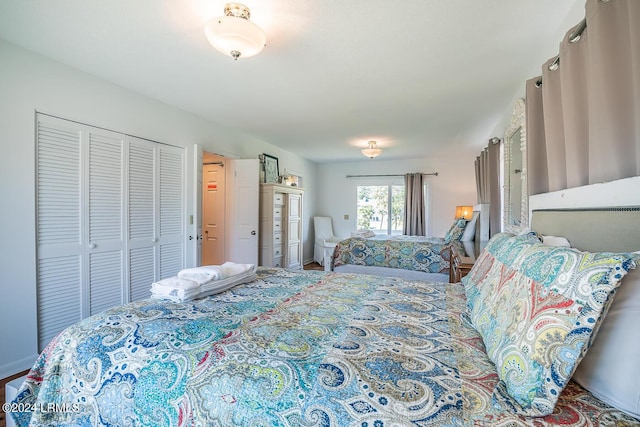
x=372, y=150
x=465, y=212
x=233, y=34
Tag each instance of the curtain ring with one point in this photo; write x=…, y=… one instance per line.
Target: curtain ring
x=603, y=1
x=555, y=64
x=577, y=34
x=539, y=83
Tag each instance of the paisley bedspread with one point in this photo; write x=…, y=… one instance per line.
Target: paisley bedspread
x=302, y=348
x=427, y=254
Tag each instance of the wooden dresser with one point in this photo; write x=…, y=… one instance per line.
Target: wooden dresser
x=280, y=240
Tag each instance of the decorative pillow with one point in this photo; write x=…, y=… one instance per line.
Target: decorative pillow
x=537, y=308
x=556, y=241
x=469, y=232
x=485, y=274
x=456, y=230
x=610, y=370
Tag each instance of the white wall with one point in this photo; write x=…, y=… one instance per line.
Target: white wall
x=455, y=185
x=29, y=83
x=548, y=49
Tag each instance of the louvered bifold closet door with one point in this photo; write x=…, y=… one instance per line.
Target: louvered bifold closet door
x=171, y=232
x=105, y=224
x=110, y=220
x=143, y=221
x=59, y=202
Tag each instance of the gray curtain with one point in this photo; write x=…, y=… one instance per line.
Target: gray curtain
x=414, y=205
x=487, y=167
x=583, y=113
x=482, y=176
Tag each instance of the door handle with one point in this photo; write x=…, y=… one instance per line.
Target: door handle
x=190, y=237
x=253, y=232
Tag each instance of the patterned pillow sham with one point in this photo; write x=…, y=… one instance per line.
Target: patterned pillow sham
x=537, y=308
x=456, y=230
x=485, y=273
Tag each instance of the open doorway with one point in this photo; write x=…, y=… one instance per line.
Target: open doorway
x=213, y=209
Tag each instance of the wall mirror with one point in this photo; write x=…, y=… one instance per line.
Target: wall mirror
x=516, y=197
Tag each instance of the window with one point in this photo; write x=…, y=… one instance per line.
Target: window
x=381, y=208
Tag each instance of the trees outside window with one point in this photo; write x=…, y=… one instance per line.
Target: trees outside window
x=381, y=208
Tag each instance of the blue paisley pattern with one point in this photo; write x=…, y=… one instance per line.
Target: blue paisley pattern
x=538, y=308
x=427, y=254
x=289, y=349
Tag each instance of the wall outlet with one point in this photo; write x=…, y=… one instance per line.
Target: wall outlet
x=346, y=216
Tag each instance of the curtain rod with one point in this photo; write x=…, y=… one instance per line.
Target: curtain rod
x=367, y=176
x=573, y=37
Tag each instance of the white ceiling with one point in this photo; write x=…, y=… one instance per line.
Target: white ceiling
x=418, y=76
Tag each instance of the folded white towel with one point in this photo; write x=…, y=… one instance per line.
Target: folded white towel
x=202, y=274
x=175, y=287
x=209, y=288
x=233, y=269
x=176, y=283
x=218, y=286
x=174, y=294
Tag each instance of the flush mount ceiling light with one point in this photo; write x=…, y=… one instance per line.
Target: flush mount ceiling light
x=233, y=34
x=372, y=150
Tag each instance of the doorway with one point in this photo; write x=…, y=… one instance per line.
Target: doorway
x=213, y=209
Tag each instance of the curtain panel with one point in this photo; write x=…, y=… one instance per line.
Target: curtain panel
x=583, y=113
x=414, y=205
x=487, y=166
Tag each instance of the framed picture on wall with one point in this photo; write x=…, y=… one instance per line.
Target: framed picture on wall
x=271, y=170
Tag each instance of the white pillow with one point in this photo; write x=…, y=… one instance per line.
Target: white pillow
x=556, y=241
x=469, y=232
x=611, y=368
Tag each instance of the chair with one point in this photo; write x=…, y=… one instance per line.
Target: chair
x=325, y=241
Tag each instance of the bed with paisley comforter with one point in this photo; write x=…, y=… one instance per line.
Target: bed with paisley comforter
x=413, y=257
x=292, y=348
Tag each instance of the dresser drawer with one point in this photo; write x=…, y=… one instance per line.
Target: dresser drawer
x=278, y=199
x=277, y=226
x=278, y=251
x=277, y=238
x=277, y=212
x=277, y=262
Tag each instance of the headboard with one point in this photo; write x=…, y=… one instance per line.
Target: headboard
x=615, y=229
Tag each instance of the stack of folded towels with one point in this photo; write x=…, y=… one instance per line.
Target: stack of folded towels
x=198, y=282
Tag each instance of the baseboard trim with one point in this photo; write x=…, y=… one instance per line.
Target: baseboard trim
x=13, y=368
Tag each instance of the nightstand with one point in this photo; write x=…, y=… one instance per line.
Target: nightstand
x=460, y=265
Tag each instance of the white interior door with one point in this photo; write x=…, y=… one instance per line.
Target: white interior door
x=60, y=198
x=105, y=222
x=242, y=201
x=142, y=217
x=213, y=213
x=195, y=226
x=110, y=219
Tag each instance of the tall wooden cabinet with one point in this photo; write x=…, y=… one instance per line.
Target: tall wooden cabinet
x=281, y=226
